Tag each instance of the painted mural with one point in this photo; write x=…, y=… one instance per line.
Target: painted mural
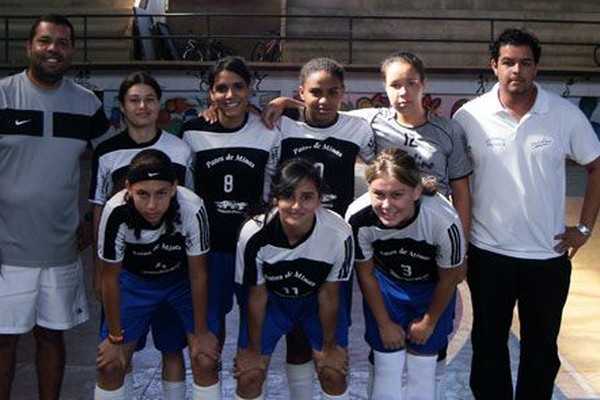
x=178, y=107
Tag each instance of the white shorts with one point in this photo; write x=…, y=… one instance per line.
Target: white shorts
x=52, y=298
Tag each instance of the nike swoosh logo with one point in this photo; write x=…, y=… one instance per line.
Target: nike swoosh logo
x=20, y=122
x=152, y=174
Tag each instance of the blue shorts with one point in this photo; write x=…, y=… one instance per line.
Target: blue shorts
x=283, y=313
x=221, y=276
x=404, y=302
x=167, y=331
x=346, y=289
x=141, y=299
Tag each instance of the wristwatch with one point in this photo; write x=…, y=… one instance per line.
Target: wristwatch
x=583, y=229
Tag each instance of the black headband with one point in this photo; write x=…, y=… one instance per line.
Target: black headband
x=151, y=173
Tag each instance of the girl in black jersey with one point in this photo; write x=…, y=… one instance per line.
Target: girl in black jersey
x=292, y=260
x=409, y=253
x=234, y=160
x=153, y=240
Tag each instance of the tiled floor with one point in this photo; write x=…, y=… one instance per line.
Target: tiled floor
x=579, y=377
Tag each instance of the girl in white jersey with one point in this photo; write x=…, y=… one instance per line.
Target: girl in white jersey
x=293, y=259
x=331, y=141
x=153, y=240
x=139, y=100
x=409, y=252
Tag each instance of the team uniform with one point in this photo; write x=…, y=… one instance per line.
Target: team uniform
x=406, y=261
x=154, y=266
x=112, y=158
x=293, y=274
x=438, y=146
x=43, y=133
x=333, y=151
x=520, y=173
x=109, y=170
x=232, y=171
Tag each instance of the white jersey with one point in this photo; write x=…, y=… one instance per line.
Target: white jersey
x=113, y=156
x=232, y=170
x=156, y=252
x=432, y=239
x=264, y=255
x=333, y=151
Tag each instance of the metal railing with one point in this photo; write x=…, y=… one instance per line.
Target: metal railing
x=351, y=31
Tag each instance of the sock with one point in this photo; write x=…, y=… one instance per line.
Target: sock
x=101, y=394
x=265, y=387
x=206, y=392
x=370, y=377
x=387, y=380
x=440, y=380
x=300, y=380
x=421, y=377
x=128, y=385
x=343, y=396
x=173, y=390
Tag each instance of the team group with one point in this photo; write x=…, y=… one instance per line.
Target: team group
x=259, y=207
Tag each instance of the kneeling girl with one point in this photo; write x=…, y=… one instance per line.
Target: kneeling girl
x=292, y=260
x=153, y=240
x=409, y=250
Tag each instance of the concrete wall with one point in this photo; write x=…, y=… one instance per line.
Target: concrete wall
x=111, y=50
x=411, y=35
x=381, y=7
x=375, y=38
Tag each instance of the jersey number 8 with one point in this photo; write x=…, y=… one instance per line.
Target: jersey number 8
x=228, y=183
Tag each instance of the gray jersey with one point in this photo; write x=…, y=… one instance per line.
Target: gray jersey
x=42, y=136
x=438, y=146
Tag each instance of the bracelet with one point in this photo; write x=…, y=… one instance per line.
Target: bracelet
x=116, y=339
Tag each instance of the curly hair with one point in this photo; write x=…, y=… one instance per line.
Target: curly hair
x=324, y=64
x=516, y=37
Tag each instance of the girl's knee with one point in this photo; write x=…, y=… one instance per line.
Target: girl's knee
x=249, y=384
x=333, y=381
x=205, y=370
x=111, y=377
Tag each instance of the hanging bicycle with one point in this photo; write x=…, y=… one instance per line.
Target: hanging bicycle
x=268, y=50
x=205, y=49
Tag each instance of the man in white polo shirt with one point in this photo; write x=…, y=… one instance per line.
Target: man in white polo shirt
x=519, y=138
